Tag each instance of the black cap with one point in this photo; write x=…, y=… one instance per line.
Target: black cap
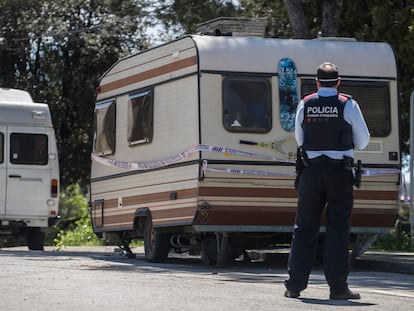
x=327, y=72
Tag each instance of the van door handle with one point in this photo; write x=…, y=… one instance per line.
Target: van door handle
x=15, y=176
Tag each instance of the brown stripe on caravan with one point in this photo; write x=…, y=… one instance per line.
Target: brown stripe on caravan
x=127, y=220
x=167, y=216
x=375, y=195
x=244, y=215
x=180, y=64
x=373, y=217
x=110, y=203
x=248, y=192
x=161, y=196
x=152, y=197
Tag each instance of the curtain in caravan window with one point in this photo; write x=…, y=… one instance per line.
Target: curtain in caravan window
x=247, y=105
x=140, y=117
x=104, y=131
x=373, y=98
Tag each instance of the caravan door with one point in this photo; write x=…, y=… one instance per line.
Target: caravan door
x=29, y=171
x=3, y=170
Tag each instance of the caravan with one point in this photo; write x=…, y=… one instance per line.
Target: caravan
x=194, y=146
x=29, y=168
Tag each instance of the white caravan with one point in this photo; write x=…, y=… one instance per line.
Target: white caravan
x=194, y=146
x=29, y=168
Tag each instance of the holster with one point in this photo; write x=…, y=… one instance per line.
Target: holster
x=301, y=162
x=356, y=170
x=358, y=174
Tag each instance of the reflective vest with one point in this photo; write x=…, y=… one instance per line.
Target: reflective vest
x=324, y=126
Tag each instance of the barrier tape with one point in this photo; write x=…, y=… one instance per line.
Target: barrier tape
x=226, y=151
x=179, y=157
x=366, y=172
x=240, y=171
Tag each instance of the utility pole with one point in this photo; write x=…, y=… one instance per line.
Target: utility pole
x=411, y=169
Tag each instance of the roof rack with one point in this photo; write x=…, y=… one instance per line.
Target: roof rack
x=233, y=26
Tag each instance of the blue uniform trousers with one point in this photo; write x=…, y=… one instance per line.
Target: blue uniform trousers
x=322, y=188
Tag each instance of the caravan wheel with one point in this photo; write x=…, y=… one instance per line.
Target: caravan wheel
x=156, y=245
x=216, y=250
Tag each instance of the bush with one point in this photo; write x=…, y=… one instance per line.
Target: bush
x=398, y=239
x=74, y=228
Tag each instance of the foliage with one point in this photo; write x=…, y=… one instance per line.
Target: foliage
x=393, y=242
x=8, y=241
x=57, y=50
x=398, y=239
x=189, y=13
x=75, y=226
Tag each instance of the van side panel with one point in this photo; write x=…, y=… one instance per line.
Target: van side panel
x=29, y=168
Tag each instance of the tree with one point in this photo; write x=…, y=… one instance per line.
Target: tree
x=331, y=12
x=189, y=13
x=297, y=18
x=391, y=22
x=57, y=50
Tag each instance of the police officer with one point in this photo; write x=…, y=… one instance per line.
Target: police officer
x=329, y=126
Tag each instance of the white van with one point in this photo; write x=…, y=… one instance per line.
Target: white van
x=29, y=168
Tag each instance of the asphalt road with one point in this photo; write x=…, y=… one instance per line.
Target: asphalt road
x=99, y=279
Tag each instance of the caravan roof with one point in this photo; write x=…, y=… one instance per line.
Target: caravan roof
x=250, y=54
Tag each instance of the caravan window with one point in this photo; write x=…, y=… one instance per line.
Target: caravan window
x=1, y=147
x=30, y=149
x=247, y=104
x=140, y=117
x=104, y=131
x=372, y=97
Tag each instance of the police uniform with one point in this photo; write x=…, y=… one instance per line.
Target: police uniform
x=328, y=127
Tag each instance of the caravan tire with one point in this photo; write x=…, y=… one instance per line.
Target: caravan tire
x=35, y=239
x=156, y=245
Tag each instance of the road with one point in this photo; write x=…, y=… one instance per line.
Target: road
x=99, y=279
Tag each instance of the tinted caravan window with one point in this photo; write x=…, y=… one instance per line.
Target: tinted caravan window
x=372, y=97
x=104, y=130
x=247, y=105
x=29, y=149
x=140, y=117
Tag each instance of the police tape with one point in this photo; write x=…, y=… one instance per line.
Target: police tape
x=365, y=172
x=379, y=171
x=180, y=157
x=240, y=171
x=226, y=151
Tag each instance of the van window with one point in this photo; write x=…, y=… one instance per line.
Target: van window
x=29, y=149
x=247, y=104
x=140, y=117
x=104, y=130
x=1, y=147
x=373, y=99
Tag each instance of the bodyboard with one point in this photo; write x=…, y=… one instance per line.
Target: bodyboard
x=288, y=93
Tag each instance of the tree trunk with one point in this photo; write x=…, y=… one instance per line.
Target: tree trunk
x=330, y=17
x=297, y=19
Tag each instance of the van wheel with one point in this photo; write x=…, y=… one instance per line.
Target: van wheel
x=156, y=245
x=35, y=239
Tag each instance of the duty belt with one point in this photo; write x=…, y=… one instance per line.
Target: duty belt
x=325, y=160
